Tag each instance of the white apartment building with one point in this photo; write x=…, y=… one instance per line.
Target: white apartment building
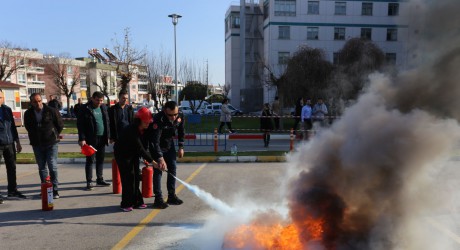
x=288, y=24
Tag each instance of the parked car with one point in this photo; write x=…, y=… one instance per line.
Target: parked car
x=196, y=103
x=215, y=109
x=186, y=110
x=63, y=111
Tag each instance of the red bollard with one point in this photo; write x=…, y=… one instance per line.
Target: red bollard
x=116, y=180
x=215, y=140
x=291, y=145
x=147, y=182
x=47, y=195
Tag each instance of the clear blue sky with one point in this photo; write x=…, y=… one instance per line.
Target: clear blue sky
x=58, y=26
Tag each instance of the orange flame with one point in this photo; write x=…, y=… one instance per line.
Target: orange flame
x=275, y=236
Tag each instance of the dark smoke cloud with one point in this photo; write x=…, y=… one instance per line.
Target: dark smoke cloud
x=370, y=173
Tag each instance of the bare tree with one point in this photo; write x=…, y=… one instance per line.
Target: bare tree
x=158, y=67
x=126, y=59
x=357, y=59
x=10, y=58
x=105, y=86
x=308, y=73
x=226, y=89
x=64, y=74
x=191, y=71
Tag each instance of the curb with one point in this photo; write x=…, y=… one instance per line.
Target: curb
x=196, y=159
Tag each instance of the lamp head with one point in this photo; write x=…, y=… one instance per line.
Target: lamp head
x=175, y=18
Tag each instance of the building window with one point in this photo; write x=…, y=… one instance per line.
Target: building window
x=392, y=34
x=312, y=33
x=393, y=9
x=284, y=32
x=235, y=20
x=69, y=70
x=21, y=78
x=335, y=59
x=390, y=58
x=285, y=7
x=313, y=7
x=283, y=57
x=340, y=8
x=366, y=9
x=339, y=33
x=366, y=33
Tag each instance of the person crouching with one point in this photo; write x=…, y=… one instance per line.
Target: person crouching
x=130, y=146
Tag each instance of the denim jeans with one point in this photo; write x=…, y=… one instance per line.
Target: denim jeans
x=99, y=156
x=47, y=155
x=170, y=159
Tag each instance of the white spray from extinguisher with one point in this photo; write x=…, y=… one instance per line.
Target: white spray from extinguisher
x=212, y=201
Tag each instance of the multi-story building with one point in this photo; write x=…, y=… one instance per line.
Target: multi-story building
x=288, y=24
x=28, y=71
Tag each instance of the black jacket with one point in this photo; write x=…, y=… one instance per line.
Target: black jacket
x=266, y=121
x=163, y=132
x=46, y=132
x=132, y=144
x=8, y=131
x=86, y=124
x=114, y=116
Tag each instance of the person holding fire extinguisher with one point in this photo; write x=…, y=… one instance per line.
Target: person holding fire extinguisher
x=131, y=145
x=44, y=125
x=165, y=124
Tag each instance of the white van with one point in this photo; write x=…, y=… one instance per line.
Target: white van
x=185, y=104
x=215, y=109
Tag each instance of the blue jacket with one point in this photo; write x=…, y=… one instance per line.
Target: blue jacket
x=8, y=131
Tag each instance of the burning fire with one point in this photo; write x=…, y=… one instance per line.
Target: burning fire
x=259, y=235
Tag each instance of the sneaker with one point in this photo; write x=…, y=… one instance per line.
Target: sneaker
x=56, y=194
x=127, y=209
x=159, y=204
x=89, y=186
x=101, y=182
x=17, y=194
x=143, y=206
x=174, y=200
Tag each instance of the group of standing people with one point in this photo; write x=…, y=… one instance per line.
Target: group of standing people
x=306, y=115
x=134, y=136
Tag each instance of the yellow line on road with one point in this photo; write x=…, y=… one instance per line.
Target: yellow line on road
x=137, y=229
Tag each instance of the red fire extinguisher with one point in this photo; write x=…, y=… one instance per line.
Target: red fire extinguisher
x=116, y=181
x=147, y=181
x=47, y=195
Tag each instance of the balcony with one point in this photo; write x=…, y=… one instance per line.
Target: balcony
x=37, y=70
x=36, y=84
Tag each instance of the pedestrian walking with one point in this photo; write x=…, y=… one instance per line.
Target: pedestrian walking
x=120, y=115
x=276, y=109
x=297, y=113
x=266, y=124
x=166, y=125
x=8, y=138
x=77, y=107
x=225, y=117
x=129, y=147
x=44, y=125
x=54, y=103
x=93, y=129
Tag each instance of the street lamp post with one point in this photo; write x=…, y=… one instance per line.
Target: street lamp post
x=175, y=19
